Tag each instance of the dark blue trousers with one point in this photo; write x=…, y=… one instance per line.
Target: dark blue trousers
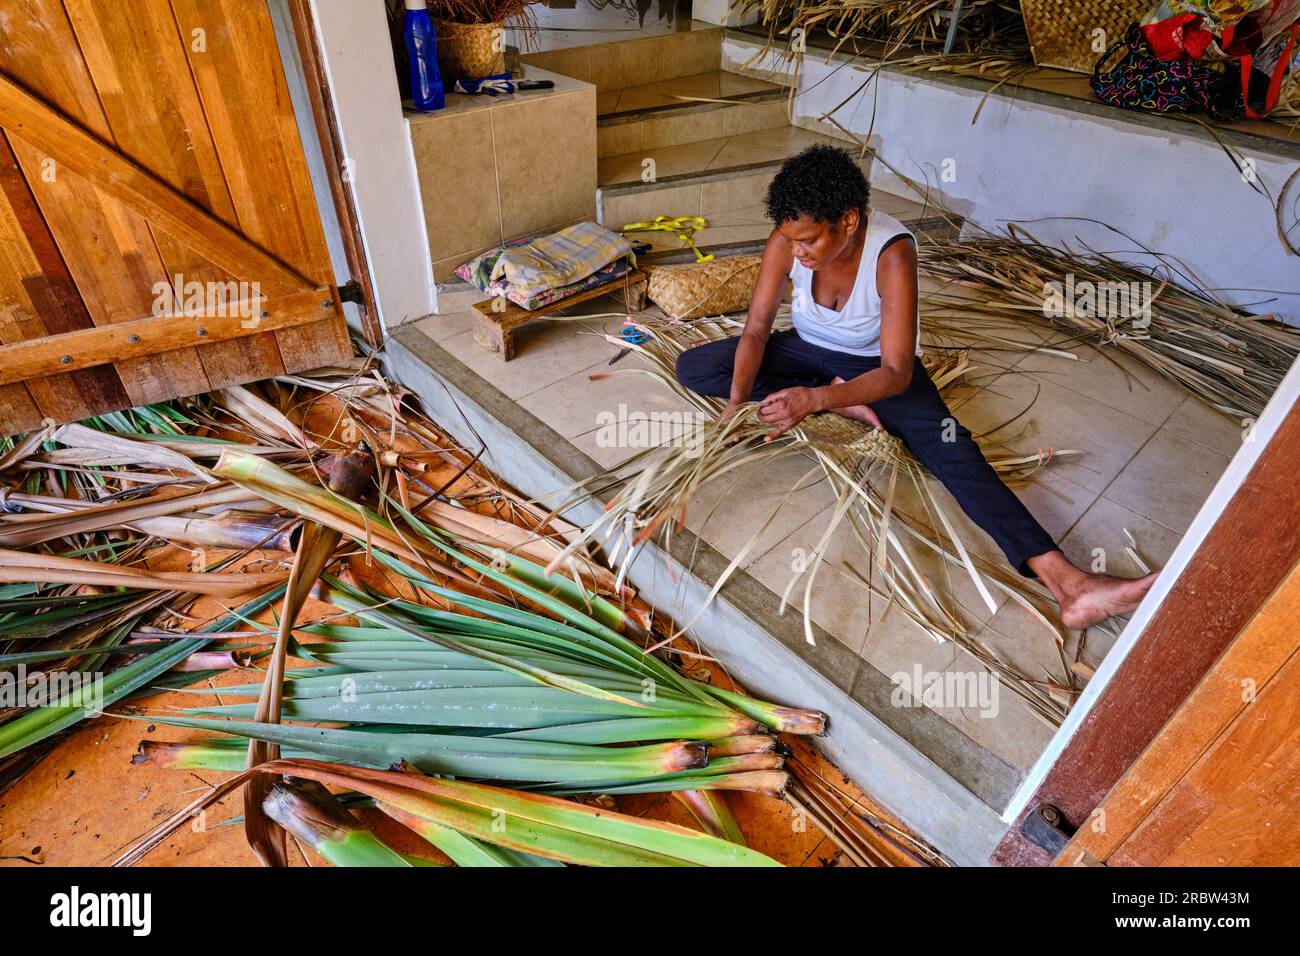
x=918, y=417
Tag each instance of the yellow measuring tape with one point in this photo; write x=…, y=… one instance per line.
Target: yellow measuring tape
x=683, y=227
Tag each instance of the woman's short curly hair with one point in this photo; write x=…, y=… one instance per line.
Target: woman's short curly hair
x=821, y=182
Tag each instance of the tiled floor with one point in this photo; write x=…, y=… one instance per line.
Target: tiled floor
x=1151, y=455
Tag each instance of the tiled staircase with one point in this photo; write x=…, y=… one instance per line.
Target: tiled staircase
x=703, y=144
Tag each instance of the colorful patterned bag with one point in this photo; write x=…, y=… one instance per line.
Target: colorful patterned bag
x=1140, y=81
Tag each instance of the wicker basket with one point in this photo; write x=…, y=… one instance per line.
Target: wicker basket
x=705, y=288
x=1062, y=32
x=469, y=51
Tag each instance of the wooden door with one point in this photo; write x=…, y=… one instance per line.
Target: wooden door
x=159, y=235
x=1220, y=785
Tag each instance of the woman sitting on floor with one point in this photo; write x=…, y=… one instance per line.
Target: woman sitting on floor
x=855, y=350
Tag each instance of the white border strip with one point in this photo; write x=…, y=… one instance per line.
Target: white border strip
x=1260, y=436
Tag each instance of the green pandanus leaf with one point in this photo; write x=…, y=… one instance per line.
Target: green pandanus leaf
x=506, y=708
x=311, y=813
x=348, y=602
x=712, y=812
x=464, y=850
x=66, y=710
x=528, y=823
x=481, y=758
x=528, y=573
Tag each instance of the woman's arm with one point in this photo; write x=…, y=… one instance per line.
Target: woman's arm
x=897, y=281
x=763, y=306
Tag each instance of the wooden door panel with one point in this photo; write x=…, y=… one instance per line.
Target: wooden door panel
x=273, y=192
x=150, y=141
x=126, y=48
x=108, y=249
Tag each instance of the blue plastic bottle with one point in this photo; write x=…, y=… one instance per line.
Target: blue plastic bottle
x=421, y=49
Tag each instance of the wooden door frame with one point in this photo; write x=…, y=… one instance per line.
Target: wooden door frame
x=1165, y=808
x=306, y=35
x=1239, y=548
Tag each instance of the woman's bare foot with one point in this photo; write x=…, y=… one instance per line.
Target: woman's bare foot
x=861, y=413
x=1088, y=599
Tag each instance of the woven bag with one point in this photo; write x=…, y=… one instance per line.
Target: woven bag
x=1062, y=33
x=705, y=288
x=469, y=51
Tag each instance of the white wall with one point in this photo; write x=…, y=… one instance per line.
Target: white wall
x=722, y=12
x=1175, y=193
x=377, y=141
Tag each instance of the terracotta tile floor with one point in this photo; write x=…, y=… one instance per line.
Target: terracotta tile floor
x=1151, y=455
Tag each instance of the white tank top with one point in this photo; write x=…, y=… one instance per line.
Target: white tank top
x=855, y=329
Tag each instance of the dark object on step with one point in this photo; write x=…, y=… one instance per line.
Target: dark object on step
x=501, y=84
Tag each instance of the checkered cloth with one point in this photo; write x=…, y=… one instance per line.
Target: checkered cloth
x=559, y=259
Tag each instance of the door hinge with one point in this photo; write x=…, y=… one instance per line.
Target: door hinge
x=1046, y=828
x=350, y=291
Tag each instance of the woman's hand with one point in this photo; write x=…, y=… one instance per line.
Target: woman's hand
x=785, y=409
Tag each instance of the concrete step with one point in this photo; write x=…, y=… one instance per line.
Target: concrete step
x=688, y=109
x=723, y=179
x=712, y=179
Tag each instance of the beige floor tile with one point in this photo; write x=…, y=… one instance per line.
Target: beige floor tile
x=751, y=117
x=1097, y=541
x=546, y=162
x=841, y=604
x=642, y=206
x=1028, y=416
x=575, y=406
x=1199, y=422
x=992, y=716
x=628, y=63
x=764, y=146
x=742, y=194
x=546, y=351
x=446, y=325
x=618, y=139
x=764, y=502
x=1112, y=379
x=686, y=54
x=671, y=161
x=1169, y=480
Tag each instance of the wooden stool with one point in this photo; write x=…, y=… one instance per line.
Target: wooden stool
x=497, y=319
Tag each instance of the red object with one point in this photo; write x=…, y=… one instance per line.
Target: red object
x=1178, y=38
x=1275, y=81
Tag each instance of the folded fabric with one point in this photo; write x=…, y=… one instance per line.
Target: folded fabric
x=559, y=259
x=478, y=272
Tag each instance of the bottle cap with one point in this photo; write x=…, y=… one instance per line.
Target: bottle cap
x=416, y=5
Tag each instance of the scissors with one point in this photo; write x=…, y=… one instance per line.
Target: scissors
x=632, y=335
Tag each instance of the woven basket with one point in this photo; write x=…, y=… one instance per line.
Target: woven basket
x=705, y=288
x=1061, y=32
x=468, y=51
